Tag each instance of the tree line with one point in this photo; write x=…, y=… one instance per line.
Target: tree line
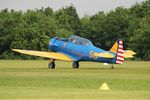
x=32, y=29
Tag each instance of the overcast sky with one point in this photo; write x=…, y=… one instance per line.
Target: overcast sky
x=83, y=7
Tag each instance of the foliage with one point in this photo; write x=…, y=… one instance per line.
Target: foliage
x=33, y=29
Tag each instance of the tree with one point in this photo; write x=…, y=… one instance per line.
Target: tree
x=68, y=19
x=140, y=39
x=33, y=29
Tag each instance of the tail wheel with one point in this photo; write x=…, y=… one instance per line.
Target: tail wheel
x=51, y=65
x=75, y=64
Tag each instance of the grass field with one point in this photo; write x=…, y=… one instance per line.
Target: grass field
x=32, y=80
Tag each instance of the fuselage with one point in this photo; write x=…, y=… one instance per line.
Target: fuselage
x=81, y=50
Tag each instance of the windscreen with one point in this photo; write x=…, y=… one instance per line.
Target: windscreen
x=80, y=41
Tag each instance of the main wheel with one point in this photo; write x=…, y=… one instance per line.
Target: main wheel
x=75, y=64
x=51, y=65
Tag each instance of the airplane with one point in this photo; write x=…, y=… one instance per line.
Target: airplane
x=77, y=49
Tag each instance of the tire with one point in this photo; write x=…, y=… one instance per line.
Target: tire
x=51, y=65
x=75, y=64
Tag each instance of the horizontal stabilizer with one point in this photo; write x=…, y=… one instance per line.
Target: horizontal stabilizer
x=104, y=55
x=127, y=55
x=129, y=52
x=52, y=55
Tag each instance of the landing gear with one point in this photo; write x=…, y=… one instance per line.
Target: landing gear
x=112, y=67
x=51, y=64
x=75, y=64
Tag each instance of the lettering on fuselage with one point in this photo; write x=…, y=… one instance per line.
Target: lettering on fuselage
x=92, y=54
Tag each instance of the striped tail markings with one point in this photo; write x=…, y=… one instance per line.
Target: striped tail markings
x=120, y=51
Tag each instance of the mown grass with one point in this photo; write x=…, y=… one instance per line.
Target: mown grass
x=31, y=79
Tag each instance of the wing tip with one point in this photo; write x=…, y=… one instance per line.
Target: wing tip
x=14, y=49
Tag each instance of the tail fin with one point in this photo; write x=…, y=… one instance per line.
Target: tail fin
x=117, y=48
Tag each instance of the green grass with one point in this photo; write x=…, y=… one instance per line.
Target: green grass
x=32, y=80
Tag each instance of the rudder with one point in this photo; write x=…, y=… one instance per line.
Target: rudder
x=117, y=48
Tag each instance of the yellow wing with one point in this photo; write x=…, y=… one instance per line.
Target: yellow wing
x=52, y=55
x=104, y=55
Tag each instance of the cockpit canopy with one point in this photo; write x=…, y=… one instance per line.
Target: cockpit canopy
x=79, y=40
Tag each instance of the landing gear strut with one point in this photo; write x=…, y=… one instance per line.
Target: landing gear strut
x=112, y=67
x=75, y=64
x=51, y=64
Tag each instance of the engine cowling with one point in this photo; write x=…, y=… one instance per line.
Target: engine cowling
x=52, y=43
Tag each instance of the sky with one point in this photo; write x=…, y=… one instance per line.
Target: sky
x=83, y=7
